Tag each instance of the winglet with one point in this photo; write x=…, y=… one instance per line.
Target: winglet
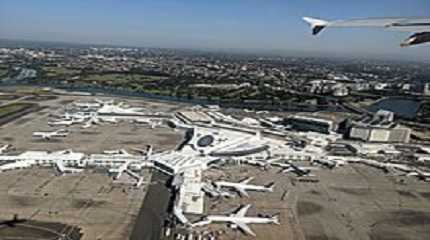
x=317, y=25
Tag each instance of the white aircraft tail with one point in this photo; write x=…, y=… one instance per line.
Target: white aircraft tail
x=275, y=219
x=317, y=25
x=270, y=186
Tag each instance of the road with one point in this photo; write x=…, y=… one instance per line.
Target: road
x=152, y=214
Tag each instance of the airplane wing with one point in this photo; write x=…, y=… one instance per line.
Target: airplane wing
x=286, y=170
x=242, y=211
x=247, y=180
x=407, y=24
x=244, y=228
x=60, y=166
x=309, y=168
x=242, y=191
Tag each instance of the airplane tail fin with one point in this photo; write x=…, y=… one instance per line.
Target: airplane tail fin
x=275, y=219
x=270, y=186
x=317, y=25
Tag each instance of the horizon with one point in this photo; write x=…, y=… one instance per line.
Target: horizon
x=231, y=51
x=224, y=25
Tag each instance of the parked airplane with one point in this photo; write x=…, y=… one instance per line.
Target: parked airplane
x=88, y=124
x=66, y=122
x=214, y=192
x=420, y=27
x=147, y=152
x=117, y=152
x=117, y=172
x=179, y=214
x=50, y=135
x=59, y=165
x=4, y=148
x=147, y=121
x=142, y=121
x=87, y=105
x=104, y=102
x=299, y=171
x=243, y=186
x=91, y=121
x=238, y=220
x=329, y=163
x=112, y=120
x=70, y=116
x=264, y=164
x=424, y=176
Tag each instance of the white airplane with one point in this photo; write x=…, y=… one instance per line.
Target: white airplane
x=4, y=148
x=419, y=26
x=88, y=124
x=118, y=171
x=117, y=152
x=112, y=120
x=104, y=102
x=142, y=121
x=59, y=165
x=147, y=121
x=299, y=171
x=238, y=220
x=425, y=176
x=66, y=122
x=179, y=214
x=92, y=121
x=214, y=192
x=50, y=135
x=87, y=105
x=330, y=163
x=264, y=164
x=70, y=116
x=243, y=186
x=147, y=152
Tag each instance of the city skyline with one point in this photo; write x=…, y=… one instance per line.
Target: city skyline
x=251, y=26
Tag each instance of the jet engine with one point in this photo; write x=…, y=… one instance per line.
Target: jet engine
x=233, y=226
x=417, y=38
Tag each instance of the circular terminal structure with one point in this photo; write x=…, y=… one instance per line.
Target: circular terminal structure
x=205, y=141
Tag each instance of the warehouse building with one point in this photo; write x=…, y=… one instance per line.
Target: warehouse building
x=194, y=117
x=380, y=134
x=313, y=123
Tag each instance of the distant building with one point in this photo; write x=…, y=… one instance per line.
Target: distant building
x=379, y=128
x=381, y=86
x=340, y=91
x=384, y=116
x=427, y=89
x=406, y=87
x=312, y=123
x=342, y=149
x=380, y=134
x=194, y=117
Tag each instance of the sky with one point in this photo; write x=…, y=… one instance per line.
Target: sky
x=248, y=25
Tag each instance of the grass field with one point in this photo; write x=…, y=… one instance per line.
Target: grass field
x=3, y=72
x=12, y=108
x=115, y=78
x=59, y=71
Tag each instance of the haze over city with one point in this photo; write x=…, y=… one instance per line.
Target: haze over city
x=273, y=26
